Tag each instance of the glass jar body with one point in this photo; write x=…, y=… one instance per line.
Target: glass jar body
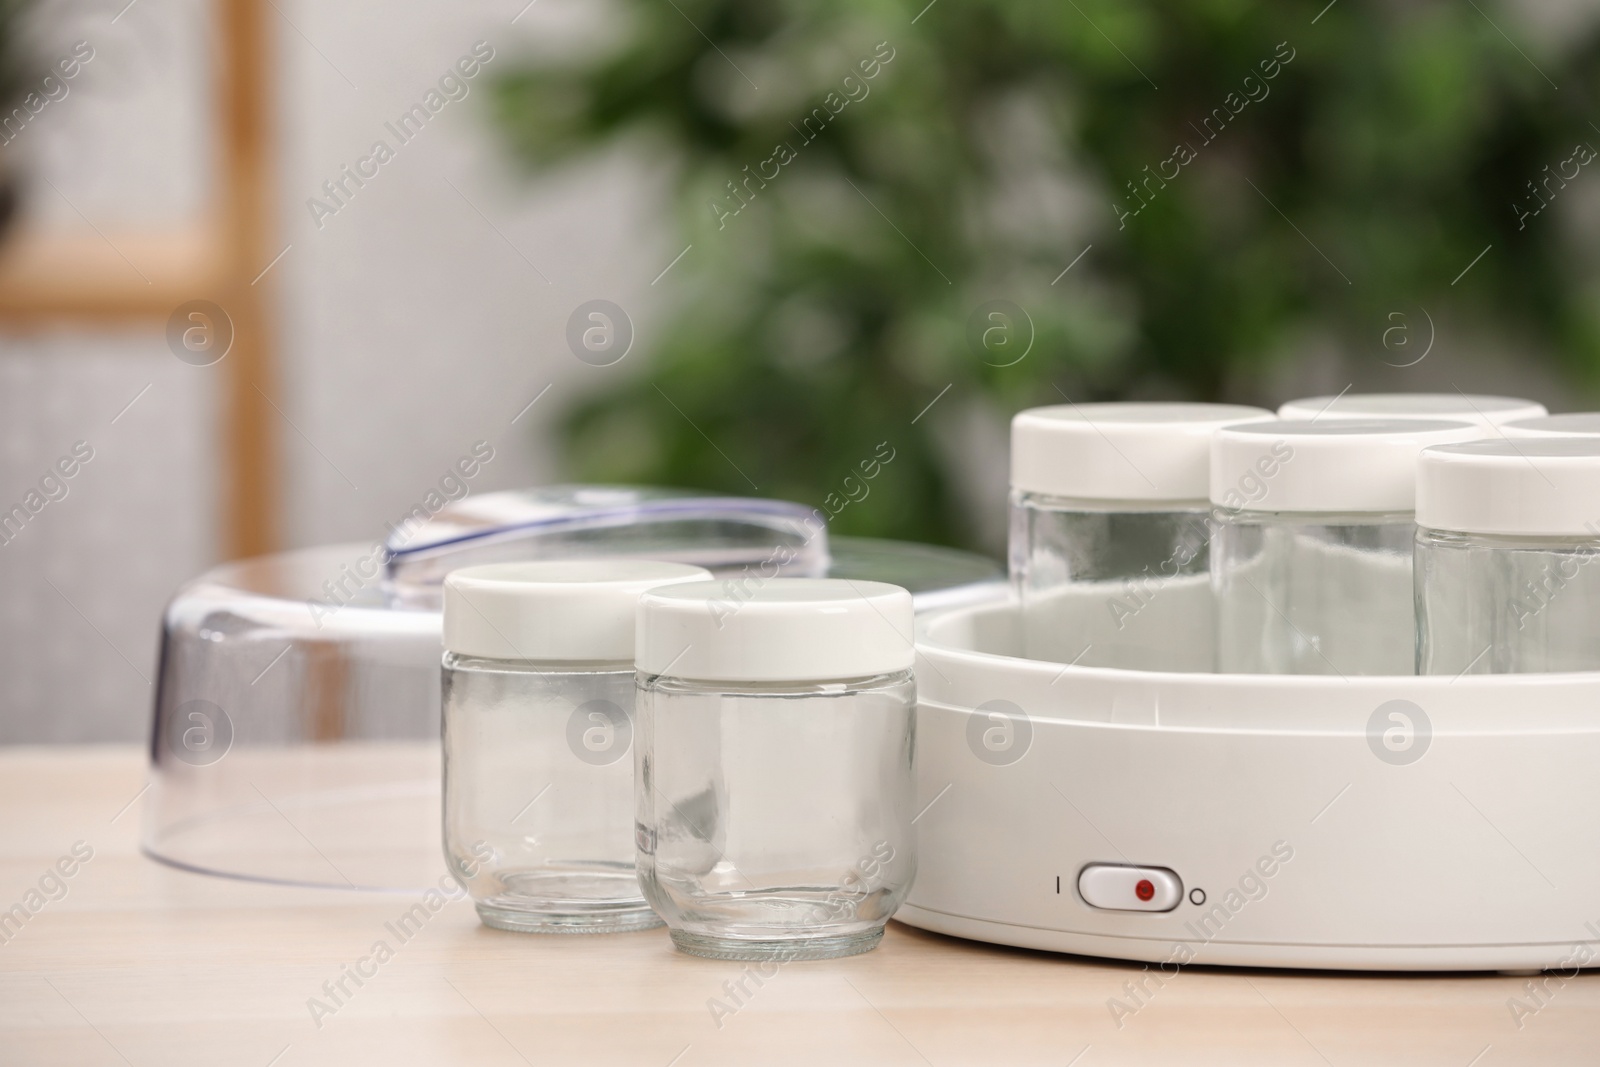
x=1113, y=584
x=1506, y=605
x=1314, y=593
x=774, y=819
x=538, y=793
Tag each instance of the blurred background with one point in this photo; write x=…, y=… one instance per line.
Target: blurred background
x=274, y=266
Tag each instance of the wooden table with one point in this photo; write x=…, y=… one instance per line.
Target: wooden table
x=144, y=965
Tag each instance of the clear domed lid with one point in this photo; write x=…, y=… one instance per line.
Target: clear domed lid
x=296, y=730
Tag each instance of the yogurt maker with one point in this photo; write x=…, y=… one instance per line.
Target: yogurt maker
x=1369, y=822
x=1163, y=816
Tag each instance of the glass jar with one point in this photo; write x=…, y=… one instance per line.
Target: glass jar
x=775, y=775
x=1110, y=532
x=538, y=729
x=1312, y=562
x=1455, y=407
x=1508, y=533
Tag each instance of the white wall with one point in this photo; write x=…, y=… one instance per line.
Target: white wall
x=432, y=307
x=409, y=327
x=81, y=586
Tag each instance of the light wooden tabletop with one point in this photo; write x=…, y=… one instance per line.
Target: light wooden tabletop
x=141, y=964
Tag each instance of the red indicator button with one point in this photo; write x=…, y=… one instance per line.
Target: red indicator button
x=1123, y=887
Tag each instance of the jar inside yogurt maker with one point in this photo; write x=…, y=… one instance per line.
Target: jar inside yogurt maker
x=1312, y=562
x=1508, y=557
x=1110, y=532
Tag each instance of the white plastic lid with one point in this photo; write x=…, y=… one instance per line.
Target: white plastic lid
x=1127, y=451
x=784, y=630
x=1542, y=487
x=1458, y=407
x=1360, y=465
x=1573, y=424
x=552, y=610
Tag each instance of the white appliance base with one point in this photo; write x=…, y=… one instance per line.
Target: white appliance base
x=1385, y=823
x=1511, y=958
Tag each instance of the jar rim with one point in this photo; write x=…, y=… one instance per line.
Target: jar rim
x=646, y=680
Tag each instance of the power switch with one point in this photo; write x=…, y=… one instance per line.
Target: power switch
x=1117, y=887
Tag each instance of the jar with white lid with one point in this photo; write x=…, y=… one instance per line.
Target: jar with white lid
x=1508, y=537
x=538, y=728
x=1571, y=424
x=1455, y=407
x=1312, y=561
x=1110, y=532
x=775, y=780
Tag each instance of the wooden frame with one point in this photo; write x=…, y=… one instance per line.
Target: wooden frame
x=46, y=279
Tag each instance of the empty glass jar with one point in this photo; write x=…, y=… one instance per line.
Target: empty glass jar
x=1508, y=538
x=538, y=737
x=1110, y=532
x=1454, y=407
x=1312, y=561
x=775, y=783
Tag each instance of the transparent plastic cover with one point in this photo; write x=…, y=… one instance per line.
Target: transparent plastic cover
x=296, y=730
x=722, y=534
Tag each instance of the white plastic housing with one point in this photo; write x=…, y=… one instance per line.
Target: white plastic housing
x=1305, y=798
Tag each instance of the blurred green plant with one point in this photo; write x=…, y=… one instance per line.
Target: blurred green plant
x=15, y=64
x=16, y=67
x=1340, y=166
